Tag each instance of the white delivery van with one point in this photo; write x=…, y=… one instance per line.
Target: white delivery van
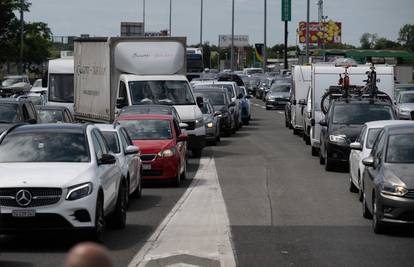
x=301, y=81
x=60, y=81
x=114, y=72
x=325, y=75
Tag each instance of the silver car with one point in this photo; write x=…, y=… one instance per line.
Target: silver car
x=128, y=156
x=405, y=104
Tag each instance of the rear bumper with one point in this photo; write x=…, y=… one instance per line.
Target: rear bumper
x=338, y=153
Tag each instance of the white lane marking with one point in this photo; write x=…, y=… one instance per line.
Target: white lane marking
x=257, y=105
x=198, y=224
x=263, y=107
x=280, y=112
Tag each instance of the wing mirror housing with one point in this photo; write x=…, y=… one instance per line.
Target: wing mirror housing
x=232, y=104
x=130, y=150
x=217, y=114
x=356, y=146
x=240, y=96
x=294, y=102
x=107, y=159
x=369, y=161
x=120, y=102
x=312, y=122
x=200, y=101
x=183, y=137
x=323, y=123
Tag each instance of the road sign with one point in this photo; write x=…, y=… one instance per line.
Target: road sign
x=286, y=10
x=239, y=40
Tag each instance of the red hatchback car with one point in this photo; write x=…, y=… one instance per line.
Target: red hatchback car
x=162, y=144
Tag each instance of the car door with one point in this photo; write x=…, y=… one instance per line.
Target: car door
x=355, y=156
x=181, y=146
x=132, y=160
x=324, y=135
x=105, y=171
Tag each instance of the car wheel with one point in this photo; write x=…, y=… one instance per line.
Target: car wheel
x=267, y=108
x=177, y=180
x=184, y=173
x=138, y=191
x=118, y=217
x=377, y=226
x=286, y=124
x=307, y=140
x=321, y=158
x=296, y=131
x=218, y=139
x=365, y=211
x=360, y=191
x=196, y=153
x=314, y=152
x=97, y=233
x=352, y=187
x=330, y=165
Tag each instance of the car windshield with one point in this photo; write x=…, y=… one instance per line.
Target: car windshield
x=148, y=129
x=61, y=88
x=228, y=87
x=360, y=113
x=161, y=92
x=37, y=83
x=205, y=109
x=216, y=98
x=372, y=135
x=280, y=88
x=111, y=139
x=50, y=116
x=44, y=147
x=407, y=98
x=11, y=81
x=400, y=148
x=8, y=113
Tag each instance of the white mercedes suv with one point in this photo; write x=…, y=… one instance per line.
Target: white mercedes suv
x=59, y=177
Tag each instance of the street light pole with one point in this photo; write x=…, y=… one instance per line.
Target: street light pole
x=170, y=15
x=21, y=35
x=265, y=37
x=201, y=24
x=307, y=31
x=232, y=37
x=143, y=14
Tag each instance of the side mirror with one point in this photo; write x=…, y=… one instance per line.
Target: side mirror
x=200, y=101
x=182, y=138
x=183, y=125
x=356, y=146
x=31, y=121
x=302, y=102
x=232, y=104
x=312, y=122
x=294, y=102
x=129, y=150
x=369, y=161
x=107, y=159
x=240, y=96
x=217, y=114
x=248, y=96
x=120, y=102
x=323, y=123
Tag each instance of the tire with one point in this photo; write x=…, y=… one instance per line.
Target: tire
x=246, y=122
x=314, y=152
x=196, y=153
x=352, y=187
x=377, y=225
x=138, y=191
x=286, y=124
x=365, y=211
x=177, y=180
x=307, y=140
x=321, y=159
x=267, y=108
x=330, y=165
x=296, y=131
x=117, y=219
x=360, y=191
x=218, y=138
x=97, y=233
x=183, y=175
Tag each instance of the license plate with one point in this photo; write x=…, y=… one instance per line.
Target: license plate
x=146, y=166
x=23, y=213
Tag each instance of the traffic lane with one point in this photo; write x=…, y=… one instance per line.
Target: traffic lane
x=285, y=210
x=144, y=216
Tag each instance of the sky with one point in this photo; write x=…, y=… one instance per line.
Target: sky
x=103, y=17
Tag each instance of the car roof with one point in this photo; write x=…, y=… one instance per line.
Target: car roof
x=147, y=109
x=383, y=123
x=400, y=129
x=362, y=101
x=108, y=127
x=145, y=116
x=55, y=127
x=211, y=89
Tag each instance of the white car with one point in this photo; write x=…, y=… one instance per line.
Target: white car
x=128, y=155
x=59, y=177
x=361, y=149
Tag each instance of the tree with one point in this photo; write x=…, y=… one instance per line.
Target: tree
x=384, y=43
x=368, y=40
x=406, y=36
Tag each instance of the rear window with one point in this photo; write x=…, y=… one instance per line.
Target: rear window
x=8, y=113
x=148, y=129
x=360, y=113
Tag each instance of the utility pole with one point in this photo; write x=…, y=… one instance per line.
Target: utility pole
x=232, y=37
x=201, y=24
x=307, y=30
x=265, y=37
x=143, y=14
x=170, y=16
x=21, y=35
x=286, y=66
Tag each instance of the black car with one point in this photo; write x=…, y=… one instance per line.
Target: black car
x=54, y=114
x=342, y=125
x=13, y=111
x=221, y=102
x=388, y=181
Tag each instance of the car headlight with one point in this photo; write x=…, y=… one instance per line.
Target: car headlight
x=167, y=153
x=340, y=139
x=405, y=111
x=79, y=191
x=199, y=122
x=209, y=125
x=394, y=190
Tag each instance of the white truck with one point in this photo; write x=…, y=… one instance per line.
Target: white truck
x=325, y=75
x=60, y=80
x=301, y=81
x=113, y=72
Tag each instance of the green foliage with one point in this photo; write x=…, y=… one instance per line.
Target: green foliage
x=406, y=36
x=384, y=43
x=368, y=40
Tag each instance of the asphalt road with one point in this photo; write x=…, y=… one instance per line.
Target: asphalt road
x=283, y=209
x=286, y=210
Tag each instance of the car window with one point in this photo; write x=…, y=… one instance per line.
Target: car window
x=177, y=128
x=379, y=145
x=125, y=139
x=372, y=136
x=361, y=136
x=25, y=113
x=112, y=140
x=360, y=113
x=148, y=129
x=123, y=93
x=96, y=145
x=400, y=149
x=31, y=110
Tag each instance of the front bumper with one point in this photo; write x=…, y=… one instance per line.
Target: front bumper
x=276, y=103
x=393, y=209
x=338, y=152
x=405, y=116
x=160, y=168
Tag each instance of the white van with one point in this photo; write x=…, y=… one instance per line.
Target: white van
x=301, y=81
x=325, y=75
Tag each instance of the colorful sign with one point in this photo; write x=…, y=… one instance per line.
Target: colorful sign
x=329, y=32
x=286, y=10
x=259, y=52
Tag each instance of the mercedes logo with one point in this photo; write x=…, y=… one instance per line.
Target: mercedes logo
x=23, y=198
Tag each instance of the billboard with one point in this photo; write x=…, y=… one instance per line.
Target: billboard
x=259, y=52
x=239, y=40
x=329, y=32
